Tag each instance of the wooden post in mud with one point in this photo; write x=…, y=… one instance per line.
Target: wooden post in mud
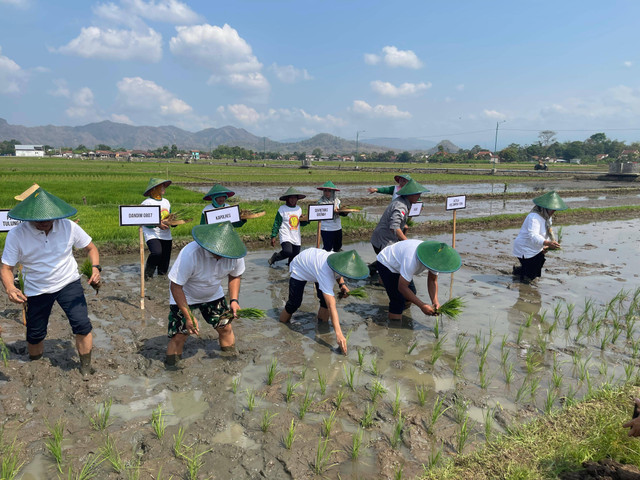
x=453, y=244
x=455, y=203
x=141, y=270
x=318, y=234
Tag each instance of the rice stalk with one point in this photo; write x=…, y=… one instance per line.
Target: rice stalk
x=252, y=313
x=452, y=308
x=86, y=269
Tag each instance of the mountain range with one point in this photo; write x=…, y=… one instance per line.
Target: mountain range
x=131, y=137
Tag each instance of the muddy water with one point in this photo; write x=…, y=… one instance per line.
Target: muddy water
x=597, y=261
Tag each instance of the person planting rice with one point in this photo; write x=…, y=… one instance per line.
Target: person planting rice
x=392, y=190
x=323, y=268
x=43, y=244
x=286, y=226
x=196, y=284
x=536, y=237
x=400, y=262
x=218, y=196
x=331, y=230
x=158, y=238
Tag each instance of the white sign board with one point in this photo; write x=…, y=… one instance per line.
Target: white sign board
x=456, y=203
x=139, y=215
x=7, y=223
x=318, y=213
x=224, y=214
x=416, y=208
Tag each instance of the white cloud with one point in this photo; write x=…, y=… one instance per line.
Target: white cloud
x=81, y=104
x=141, y=95
x=378, y=111
x=121, y=119
x=12, y=76
x=293, y=117
x=62, y=89
x=390, y=90
x=614, y=104
x=110, y=44
x=16, y=3
x=392, y=57
x=251, y=82
x=628, y=63
x=130, y=12
x=494, y=114
x=244, y=114
x=289, y=73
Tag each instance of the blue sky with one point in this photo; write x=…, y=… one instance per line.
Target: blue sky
x=295, y=68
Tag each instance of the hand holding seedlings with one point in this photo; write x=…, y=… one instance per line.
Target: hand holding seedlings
x=634, y=424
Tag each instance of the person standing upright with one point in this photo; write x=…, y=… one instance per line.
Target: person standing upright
x=158, y=238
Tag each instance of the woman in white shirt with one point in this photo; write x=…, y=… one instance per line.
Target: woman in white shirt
x=536, y=236
x=158, y=238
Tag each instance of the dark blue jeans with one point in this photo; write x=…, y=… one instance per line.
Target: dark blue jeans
x=390, y=282
x=296, y=291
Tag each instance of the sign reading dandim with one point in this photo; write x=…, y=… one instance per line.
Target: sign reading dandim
x=139, y=215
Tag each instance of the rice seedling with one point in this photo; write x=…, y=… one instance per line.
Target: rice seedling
x=520, y=333
x=89, y=468
x=251, y=399
x=412, y=347
x=628, y=372
x=460, y=407
x=339, y=398
x=552, y=327
x=303, y=372
x=488, y=423
x=323, y=456
x=100, y=421
x=533, y=388
x=54, y=444
x=521, y=390
x=569, y=397
x=568, y=320
x=437, y=411
x=134, y=468
x=194, y=462
x=4, y=353
x=290, y=436
x=603, y=369
x=307, y=400
x=549, y=401
x=396, y=436
x=110, y=451
x=272, y=370
x=463, y=434
x=10, y=465
x=434, y=459
x=527, y=323
x=477, y=338
x=367, y=416
x=436, y=328
x=605, y=340
x=178, y=446
x=452, y=308
x=508, y=373
x=532, y=363
x=291, y=388
x=559, y=235
x=158, y=422
x=504, y=357
x=360, y=357
x=328, y=422
x=396, y=402
x=251, y=313
x=348, y=335
x=438, y=350
x=462, y=346
x=556, y=378
x=484, y=379
x=235, y=383
x=322, y=382
x=615, y=334
x=86, y=269
x=267, y=420
x=377, y=389
x=543, y=343
x=422, y=394
x=374, y=367
x=356, y=443
x=359, y=292
x=557, y=311
x=349, y=376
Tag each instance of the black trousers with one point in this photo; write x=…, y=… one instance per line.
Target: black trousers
x=390, y=282
x=331, y=240
x=159, y=257
x=296, y=291
x=532, y=267
x=289, y=250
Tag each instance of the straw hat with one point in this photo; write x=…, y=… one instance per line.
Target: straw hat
x=438, y=257
x=348, y=264
x=550, y=201
x=27, y=192
x=329, y=186
x=406, y=176
x=412, y=188
x=219, y=239
x=153, y=183
x=291, y=192
x=217, y=191
x=41, y=206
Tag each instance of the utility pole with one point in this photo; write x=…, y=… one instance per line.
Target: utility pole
x=357, y=137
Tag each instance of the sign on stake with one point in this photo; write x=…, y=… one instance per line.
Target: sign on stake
x=319, y=212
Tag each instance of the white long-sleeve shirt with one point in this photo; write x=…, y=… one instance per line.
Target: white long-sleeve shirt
x=530, y=240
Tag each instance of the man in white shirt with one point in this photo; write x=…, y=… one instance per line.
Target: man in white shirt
x=44, y=244
x=323, y=268
x=400, y=262
x=196, y=283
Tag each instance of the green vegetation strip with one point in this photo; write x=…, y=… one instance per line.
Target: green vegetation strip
x=553, y=444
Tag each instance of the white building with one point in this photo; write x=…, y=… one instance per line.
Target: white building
x=29, y=151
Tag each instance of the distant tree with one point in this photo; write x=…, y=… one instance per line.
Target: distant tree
x=103, y=147
x=174, y=151
x=404, y=157
x=510, y=154
x=546, y=137
x=80, y=149
x=573, y=150
x=8, y=147
x=317, y=152
x=302, y=156
x=598, y=138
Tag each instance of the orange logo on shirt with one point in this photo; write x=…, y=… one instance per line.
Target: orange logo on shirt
x=294, y=222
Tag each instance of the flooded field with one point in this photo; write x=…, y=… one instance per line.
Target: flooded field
x=413, y=392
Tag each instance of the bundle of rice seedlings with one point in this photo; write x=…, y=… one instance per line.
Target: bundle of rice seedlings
x=195, y=321
x=4, y=353
x=251, y=313
x=451, y=308
x=359, y=292
x=86, y=269
x=175, y=219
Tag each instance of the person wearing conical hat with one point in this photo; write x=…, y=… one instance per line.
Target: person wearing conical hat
x=215, y=254
x=400, y=262
x=286, y=226
x=536, y=236
x=401, y=181
x=323, y=268
x=331, y=230
x=43, y=243
x=158, y=238
x=392, y=226
x=218, y=196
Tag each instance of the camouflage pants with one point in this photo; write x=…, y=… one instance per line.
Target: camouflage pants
x=215, y=313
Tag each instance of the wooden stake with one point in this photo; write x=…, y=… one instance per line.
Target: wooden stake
x=318, y=234
x=453, y=244
x=141, y=270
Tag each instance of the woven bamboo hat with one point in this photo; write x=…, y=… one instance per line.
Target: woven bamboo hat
x=291, y=192
x=153, y=183
x=438, y=257
x=219, y=239
x=329, y=186
x=412, y=188
x=27, y=192
x=41, y=206
x=550, y=201
x=406, y=176
x=348, y=264
x=217, y=191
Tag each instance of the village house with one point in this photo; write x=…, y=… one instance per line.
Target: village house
x=29, y=151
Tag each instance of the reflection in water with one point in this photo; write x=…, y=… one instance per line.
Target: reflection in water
x=528, y=303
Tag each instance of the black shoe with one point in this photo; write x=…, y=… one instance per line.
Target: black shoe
x=272, y=259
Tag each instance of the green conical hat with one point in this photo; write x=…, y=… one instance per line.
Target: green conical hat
x=217, y=191
x=291, y=192
x=220, y=239
x=41, y=206
x=406, y=176
x=551, y=201
x=329, y=186
x=153, y=183
x=438, y=257
x=348, y=264
x=411, y=188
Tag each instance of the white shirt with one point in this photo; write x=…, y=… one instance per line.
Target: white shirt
x=290, y=227
x=311, y=266
x=401, y=258
x=334, y=224
x=47, y=260
x=157, y=232
x=201, y=275
x=530, y=240
x=394, y=195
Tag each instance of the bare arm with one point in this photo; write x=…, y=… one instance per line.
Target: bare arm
x=403, y=287
x=15, y=295
x=234, y=291
x=400, y=233
x=330, y=300
x=181, y=301
x=94, y=256
x=432, y=286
